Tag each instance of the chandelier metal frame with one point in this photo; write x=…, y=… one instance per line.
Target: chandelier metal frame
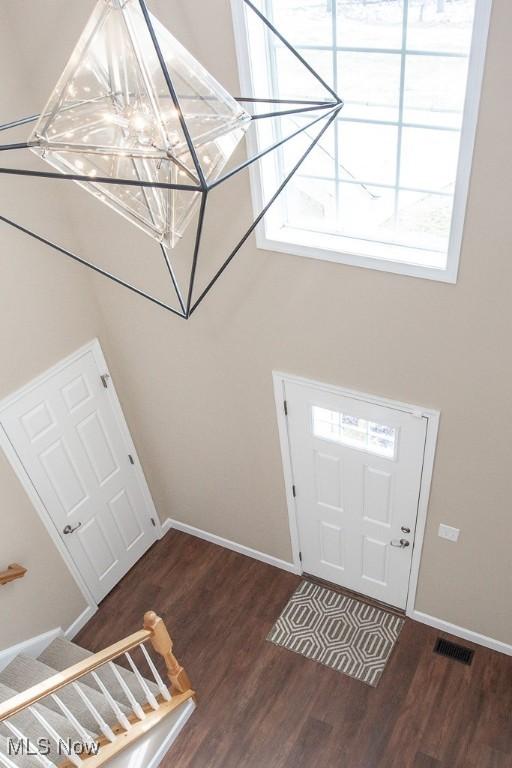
x=329, y=108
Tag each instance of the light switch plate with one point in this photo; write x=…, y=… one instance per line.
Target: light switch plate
x=447, y=532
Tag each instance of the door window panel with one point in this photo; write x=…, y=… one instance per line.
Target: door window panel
x=354, y=432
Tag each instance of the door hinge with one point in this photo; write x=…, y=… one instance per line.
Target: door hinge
x=294, y=491
x=104, y=379
x=300, y=556
x=132, y=460
x=285, y=406
x=153, y=522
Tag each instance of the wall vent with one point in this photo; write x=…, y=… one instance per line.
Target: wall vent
x=454, y=651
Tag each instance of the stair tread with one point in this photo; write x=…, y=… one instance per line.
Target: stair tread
x=29, y=725
x=62, y=653
x=24, y=672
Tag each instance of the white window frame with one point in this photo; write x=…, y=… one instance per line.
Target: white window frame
x=476, y=67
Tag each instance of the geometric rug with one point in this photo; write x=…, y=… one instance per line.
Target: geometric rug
x=338, y=631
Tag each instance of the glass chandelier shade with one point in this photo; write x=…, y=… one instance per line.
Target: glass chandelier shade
x=112, y=114
x=139, y=123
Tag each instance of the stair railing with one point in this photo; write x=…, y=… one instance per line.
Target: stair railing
x=123, y=729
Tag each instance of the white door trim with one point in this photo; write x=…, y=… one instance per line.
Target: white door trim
x=432, y=419
x=24, y=478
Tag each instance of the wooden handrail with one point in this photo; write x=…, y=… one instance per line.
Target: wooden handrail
x=53, y=684
x=13, y=572
x=156, y=632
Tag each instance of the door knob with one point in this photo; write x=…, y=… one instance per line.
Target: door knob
x=69, y=529
x=403, y=543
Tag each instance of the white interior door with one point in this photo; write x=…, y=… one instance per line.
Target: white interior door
x=69, y=440
x=357, y=471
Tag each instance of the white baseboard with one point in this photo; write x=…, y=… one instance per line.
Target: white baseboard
x=31, y=647
x=284, y=565
x=465, y=634
x=165, y=527
x=80, y=621
x=424, y=618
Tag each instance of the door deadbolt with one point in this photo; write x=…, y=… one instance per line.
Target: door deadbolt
x=68, y=529
x=404, y=529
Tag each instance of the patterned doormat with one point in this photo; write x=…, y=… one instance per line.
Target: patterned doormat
x=338, y=631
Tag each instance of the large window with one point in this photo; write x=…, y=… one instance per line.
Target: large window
x=386, y=186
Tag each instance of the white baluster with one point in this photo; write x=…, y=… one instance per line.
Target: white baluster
x=153, y=703
x=121, y=717
x=158, y=680
x=104, y=728
x=16, y=732
x=136, y=707
x=4, y=760
x=86, y=737
x=50, y=730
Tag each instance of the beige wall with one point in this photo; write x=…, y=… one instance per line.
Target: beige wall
x=46, y=311
x=198, y=395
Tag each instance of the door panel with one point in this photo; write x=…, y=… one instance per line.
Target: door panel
x=357, y=469
x=126, y=519
x=96, y=444
x=76, y=393
x=328, y=476
x=332, y=545
x=375, y=561
x=67, y=436
x=63, y=477
x=377, y=494
x=94, y=542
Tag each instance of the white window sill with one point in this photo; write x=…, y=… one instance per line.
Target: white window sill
x=359, y=253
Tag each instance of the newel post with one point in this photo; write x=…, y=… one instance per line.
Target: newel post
x=162, y=643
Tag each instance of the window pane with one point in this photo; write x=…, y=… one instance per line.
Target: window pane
x=369, y=84
x=320, y=162
x=370, y=24
x=435, y=88
x=294, y=81
x=304, y=22
x=429, y=159
x=440, y=25
x=354, y=432
x=424, y=219
x=367, y=152
x=311, y=203
x=366, y=211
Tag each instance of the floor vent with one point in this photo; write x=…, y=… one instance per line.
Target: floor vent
x=454, y=651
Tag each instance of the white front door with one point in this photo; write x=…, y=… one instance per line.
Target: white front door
x=357, y=472
x=69, y=440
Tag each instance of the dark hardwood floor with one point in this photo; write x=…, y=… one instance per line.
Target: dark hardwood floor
x=260, y=706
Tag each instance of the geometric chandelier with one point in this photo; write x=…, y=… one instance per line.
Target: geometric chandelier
x=139, y=123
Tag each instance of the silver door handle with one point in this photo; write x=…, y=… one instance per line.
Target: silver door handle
x=402, y=543
x=69, y=529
